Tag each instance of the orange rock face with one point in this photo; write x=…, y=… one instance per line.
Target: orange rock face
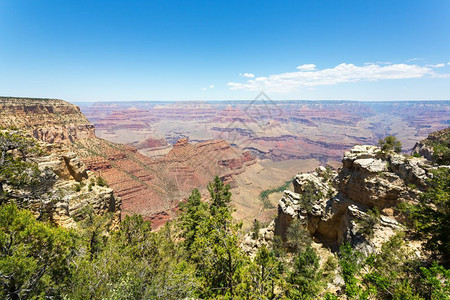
x=154, y=187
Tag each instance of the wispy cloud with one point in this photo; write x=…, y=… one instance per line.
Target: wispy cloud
x=414, y=59
x=309, y=76
x=307, y=67
x=247, y=75
x=441, y=65
x=211, y=86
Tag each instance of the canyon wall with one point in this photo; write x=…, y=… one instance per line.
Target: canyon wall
x=151, y=187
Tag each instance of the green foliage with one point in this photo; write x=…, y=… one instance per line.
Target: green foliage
x=393, y=273
x=430, y=216
x=15, y=172
x=34, y=256
x=309, y=196
x=350, y=262
x=303, y=280
x=262, y=276
x=390, y=272
x=436, y=282
x=441, y=153
x=328, y=172
x=440, y=142
x=297, y=236
x=390, y=143
x=255, y=229
x=192, y=215
x=199, y=257
x=264, y=195
x=211, y=240
x=220, y=195
x=369, y=221
x=132, y=263
x=101, y=182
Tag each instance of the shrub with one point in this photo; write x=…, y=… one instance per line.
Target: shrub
x=367, y=224
x=390, y=143
x=101, y=181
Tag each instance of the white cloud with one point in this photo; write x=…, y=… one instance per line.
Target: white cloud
x=211, y=86
x=307, y=67
x=437, y=65
x=286, y=82
x=248, y=75
x=204, y=89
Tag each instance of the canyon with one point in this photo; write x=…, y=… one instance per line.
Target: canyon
x=152, y=154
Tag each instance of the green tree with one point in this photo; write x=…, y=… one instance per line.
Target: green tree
x=34, y=257
x=430, y=217
x=435, y=282
x=350, y=262
x=214, y=248
x=94, y=228
x=390, y=273
x=134, y=263
x=192, y=214
x=262, y=276
x=220, y=195
x=255, y=229
x=390, y=143
x=14, y=170
x=297, y=236
x=304, y=279
x=309, y=196
x=368, y=223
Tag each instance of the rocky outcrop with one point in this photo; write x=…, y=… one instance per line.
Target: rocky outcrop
x=426, y=147
x=264, y=236
x=65, y=188
x=332, y=205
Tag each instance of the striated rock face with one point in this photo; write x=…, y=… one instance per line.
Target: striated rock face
x=66, y=188
x=49, y=120
x=368, y=179
x=153, y=186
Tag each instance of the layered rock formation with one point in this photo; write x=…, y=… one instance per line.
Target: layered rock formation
x=274, y=130
x=152, y=187
x=65, y=188
x=332, y=205
x=49, y=120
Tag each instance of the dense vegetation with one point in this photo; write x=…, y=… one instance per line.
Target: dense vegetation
x=441, y=146
x=199, y=255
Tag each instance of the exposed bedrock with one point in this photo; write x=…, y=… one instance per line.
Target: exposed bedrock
x=333, y=204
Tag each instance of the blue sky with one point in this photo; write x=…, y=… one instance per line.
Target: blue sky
x=207, y=50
